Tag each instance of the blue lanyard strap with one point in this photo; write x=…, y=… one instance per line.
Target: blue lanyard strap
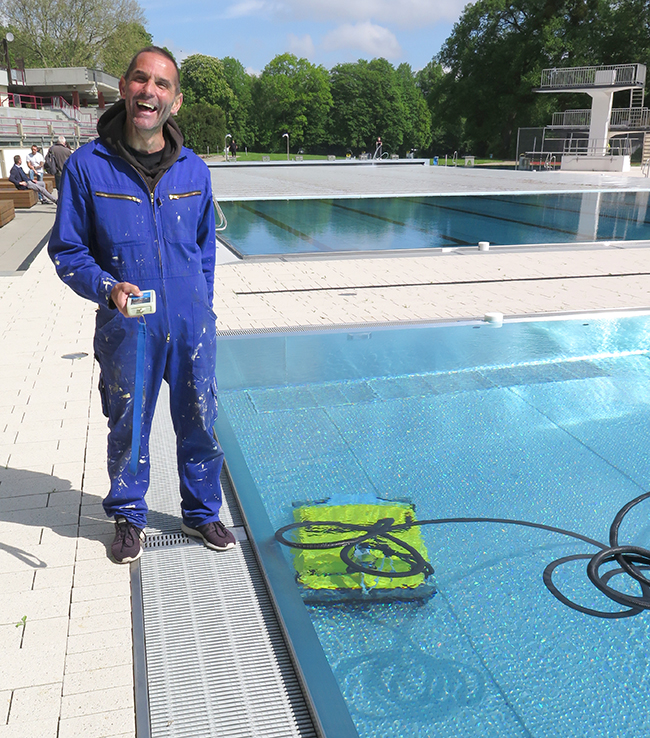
x=138, y=395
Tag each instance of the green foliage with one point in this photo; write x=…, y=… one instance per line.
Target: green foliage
x=72, y=33
x=417, y=118
x=291, y=96
x=203, y=80
x=239, y=110
x=128, y=39
x=373, y=99
x=497, y=50
x=203, y=127
x=430, y=82
x=494, y=56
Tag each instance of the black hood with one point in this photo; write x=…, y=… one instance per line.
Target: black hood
x=110, y=128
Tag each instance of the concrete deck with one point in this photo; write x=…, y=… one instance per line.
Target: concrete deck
x=65, y=624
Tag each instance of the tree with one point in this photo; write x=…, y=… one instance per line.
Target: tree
x=127, y=40
x=445, y=136
x=497, y=50
x=495, y=56
x=292, y=96
x=351, y=121
x=203, y=80
x=69, y=33
x=417, y=118
x=370, y=100
x=203, y=127
x=239, y=109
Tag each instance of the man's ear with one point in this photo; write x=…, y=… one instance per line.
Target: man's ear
x=177, y=103
x=122, y=87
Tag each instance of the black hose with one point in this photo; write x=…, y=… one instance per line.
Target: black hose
x=632, y=560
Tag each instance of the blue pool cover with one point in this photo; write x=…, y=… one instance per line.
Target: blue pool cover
x=541, y=421
x=283, y=227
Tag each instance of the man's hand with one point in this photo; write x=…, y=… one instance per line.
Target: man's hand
x=22, y=184
x=121, y=292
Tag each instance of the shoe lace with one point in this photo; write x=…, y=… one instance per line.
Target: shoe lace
x=127, y=532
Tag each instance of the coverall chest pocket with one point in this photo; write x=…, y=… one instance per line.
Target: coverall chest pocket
x=120, y=217
x=180, y=215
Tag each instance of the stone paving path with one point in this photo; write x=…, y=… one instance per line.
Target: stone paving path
x=65, y=622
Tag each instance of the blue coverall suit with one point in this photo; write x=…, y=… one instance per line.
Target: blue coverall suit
x=110, y=228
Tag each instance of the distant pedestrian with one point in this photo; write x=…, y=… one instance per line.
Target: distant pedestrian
x=56, y=158
x=378, y=148
x=233, y=149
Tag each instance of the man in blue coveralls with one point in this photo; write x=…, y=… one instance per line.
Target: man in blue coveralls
x=135, y=212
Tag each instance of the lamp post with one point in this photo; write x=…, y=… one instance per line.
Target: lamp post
x=287, y=137
x=5, y=46
x=225, y=146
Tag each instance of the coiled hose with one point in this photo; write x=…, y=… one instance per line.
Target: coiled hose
x=383, y=536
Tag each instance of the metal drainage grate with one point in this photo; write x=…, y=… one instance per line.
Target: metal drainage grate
x=167, y=540
x=210, y=657
x=217, y=664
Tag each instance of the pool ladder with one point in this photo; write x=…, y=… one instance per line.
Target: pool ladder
x=223, y=223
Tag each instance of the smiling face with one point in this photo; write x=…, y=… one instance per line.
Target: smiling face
x=151, y=94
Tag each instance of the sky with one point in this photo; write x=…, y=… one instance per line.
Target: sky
x=326, y=32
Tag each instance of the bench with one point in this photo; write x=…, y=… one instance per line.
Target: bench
x=20, y=199
x=7, y=211
x=7, y=184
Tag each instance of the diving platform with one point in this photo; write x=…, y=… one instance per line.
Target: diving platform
x=596, y=152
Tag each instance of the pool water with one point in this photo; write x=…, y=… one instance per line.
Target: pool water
x=545, y=421
x=283, y=227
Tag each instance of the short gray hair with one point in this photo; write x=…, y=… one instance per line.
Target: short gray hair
x=61, y=140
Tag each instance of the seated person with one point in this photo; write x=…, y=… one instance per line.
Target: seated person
x=36, y=164
x=20, y=179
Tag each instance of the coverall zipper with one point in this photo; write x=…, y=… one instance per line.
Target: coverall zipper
x=114, y=196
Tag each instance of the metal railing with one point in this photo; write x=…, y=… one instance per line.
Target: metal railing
x=15, y=76
x=35, y=102
x=608, y=75
x=596, y=147
x=630, y=118
x=620, y=118
x=572, y=119
x=223, y=223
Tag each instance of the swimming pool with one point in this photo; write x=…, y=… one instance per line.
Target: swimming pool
x=284, y=227
x=543, y=421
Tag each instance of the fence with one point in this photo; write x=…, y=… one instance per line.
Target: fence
x=620, y=118
x=609, y=75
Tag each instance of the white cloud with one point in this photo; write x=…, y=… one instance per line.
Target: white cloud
x=405, y=14
x=367, y=37
x=247, y=7
x=301, y=45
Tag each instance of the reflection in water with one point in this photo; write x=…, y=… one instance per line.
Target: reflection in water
x=375, y=224
x=409, y=684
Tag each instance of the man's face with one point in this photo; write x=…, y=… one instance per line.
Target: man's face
x=19, y=161
x=150, y=93
x=34, y=149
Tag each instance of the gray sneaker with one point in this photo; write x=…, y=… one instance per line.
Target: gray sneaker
x=215, y=535
x=126, y=545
